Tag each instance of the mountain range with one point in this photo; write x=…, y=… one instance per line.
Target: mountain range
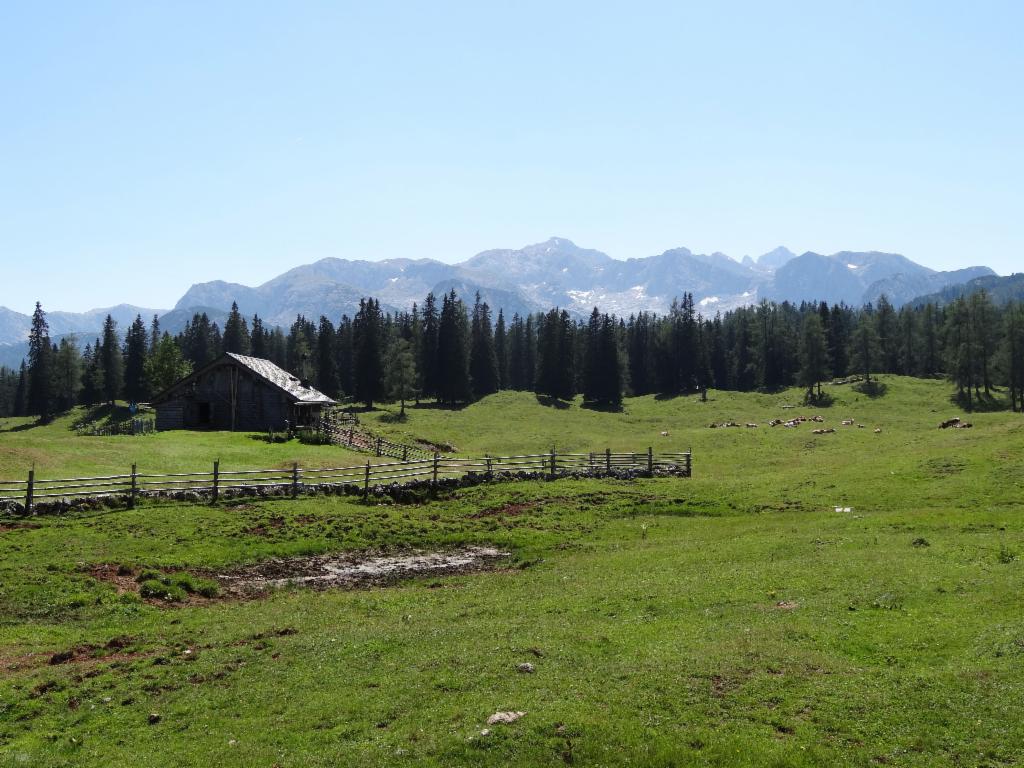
x=556, y=272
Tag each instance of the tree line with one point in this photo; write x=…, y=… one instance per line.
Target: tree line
x=453, y=353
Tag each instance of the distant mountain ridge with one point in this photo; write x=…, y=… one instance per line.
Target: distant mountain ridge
x=555, y=272
x=1002, y=290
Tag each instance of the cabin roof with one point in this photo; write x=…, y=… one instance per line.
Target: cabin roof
x=265, y=370
x=281, y=379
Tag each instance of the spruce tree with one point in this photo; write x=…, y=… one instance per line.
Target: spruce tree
x=400, y=372
x=327, y=359
x=236, y=333
x=501, y=349
x=67, y=374
x=453, y=381
x=483, y=360
x=135, y=353
x=368, y=332
x=40, y=367
x=814, y=365
x=428, y=360
x=21, y=393
x=864, y=355
x=111, y=361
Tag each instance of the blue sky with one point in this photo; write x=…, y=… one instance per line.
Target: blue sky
x=147, y=146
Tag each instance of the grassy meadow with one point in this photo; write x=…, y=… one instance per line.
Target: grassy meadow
x=733, y=618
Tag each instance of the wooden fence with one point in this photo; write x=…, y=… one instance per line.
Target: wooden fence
x=349, y=434
x=294, y=480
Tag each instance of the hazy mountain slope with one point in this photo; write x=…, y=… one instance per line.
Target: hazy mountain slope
x=1002, y=290
x=900, y=289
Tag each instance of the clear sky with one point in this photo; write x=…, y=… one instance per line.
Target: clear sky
x=145, y=146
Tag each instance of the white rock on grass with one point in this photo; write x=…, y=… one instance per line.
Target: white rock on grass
x=504, y=718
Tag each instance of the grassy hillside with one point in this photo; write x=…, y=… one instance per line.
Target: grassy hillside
x=731, y=619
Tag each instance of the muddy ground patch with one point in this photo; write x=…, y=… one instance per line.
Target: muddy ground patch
x=356, y=569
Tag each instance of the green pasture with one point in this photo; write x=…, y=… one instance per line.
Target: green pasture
x=734, y=618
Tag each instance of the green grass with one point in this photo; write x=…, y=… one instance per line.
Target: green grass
x=731, y=619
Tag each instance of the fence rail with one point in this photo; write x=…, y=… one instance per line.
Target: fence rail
x=34, y=491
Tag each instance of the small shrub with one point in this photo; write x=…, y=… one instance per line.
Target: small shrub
x=921, y=542
x=149, y=574
x=1006, y=555
x=194, y=585
x=159, y=591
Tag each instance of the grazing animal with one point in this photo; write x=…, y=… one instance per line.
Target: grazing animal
x=847, y=422
x=664, y=433
x=878, y=430
x=774, y=422
x=751, y=426
x=954, y=422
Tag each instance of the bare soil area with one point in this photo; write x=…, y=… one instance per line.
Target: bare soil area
x=356, y=569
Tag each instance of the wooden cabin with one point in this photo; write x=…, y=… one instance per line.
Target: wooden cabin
x=237, y=392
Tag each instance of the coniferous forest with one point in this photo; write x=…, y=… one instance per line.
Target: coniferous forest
x=453, y=353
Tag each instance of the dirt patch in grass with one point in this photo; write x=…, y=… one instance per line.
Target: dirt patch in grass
x=354, y=570
x=512, y=509
x=122, y=578
x=7, y=526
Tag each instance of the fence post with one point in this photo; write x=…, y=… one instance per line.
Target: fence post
x=30, y=490
x=405, y=454
x=689, y=458
x=378, y=446
x=487, y=457
x=552, y=461
x=650, y=459
x=435, y=467
x=216, y=480
x=350, y=431
x=366, y=481
x=295, y=479
x=608, y=460
x=134, y=492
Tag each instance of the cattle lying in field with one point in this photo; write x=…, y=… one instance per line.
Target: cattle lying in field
x=955, y=423
x=828, y=431
x=847, y=422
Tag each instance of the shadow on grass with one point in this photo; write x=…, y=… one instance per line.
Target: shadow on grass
x=435, y=405
x=983, y=403
x=872, y=389
x=604, y=407
x=393, y=418
x=553, y=402
x=824, y=400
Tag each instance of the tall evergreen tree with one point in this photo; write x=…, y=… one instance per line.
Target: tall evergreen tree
x=21, y=392
x=327, y=380
x=135, y=353
x=483, y=360
x=400, y=372
x=368, y=342
x=864, y=355
x=453, y=382
x=40, y=366
x=428, y=353
x=236, y=333
x=501, y=350
x=813, y=354
x=111, y=361
x=67, y=373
